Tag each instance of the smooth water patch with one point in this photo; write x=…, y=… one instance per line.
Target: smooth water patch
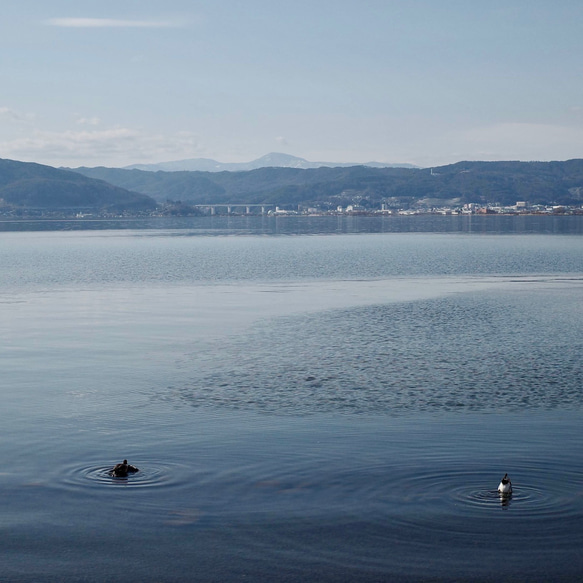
x=314, y=225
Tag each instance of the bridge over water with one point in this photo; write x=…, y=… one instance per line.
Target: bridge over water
x=236, y=208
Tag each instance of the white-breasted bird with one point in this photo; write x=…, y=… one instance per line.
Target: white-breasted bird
x=505, y=486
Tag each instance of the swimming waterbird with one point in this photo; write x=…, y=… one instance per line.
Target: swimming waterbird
x=505, y=486
x=123, y=469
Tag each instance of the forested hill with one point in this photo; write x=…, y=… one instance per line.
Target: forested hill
x=464, y=182
x=26, y=185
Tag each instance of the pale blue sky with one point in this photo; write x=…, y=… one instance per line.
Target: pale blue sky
x=418, y=81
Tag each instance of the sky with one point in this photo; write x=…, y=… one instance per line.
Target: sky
x=425, y=82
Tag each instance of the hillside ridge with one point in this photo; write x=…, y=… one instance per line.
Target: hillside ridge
x=503, y=182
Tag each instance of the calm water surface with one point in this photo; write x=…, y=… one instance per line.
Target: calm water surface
x=337, y=405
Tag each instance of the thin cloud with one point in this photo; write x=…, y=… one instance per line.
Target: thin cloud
x=90, y=121
x=15, y=116
x=109, y=23
x=115, y=147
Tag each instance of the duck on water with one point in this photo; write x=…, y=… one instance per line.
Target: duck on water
x=122, y=470
x=505, y=486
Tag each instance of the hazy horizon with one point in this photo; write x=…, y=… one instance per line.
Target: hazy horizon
x=414, y=82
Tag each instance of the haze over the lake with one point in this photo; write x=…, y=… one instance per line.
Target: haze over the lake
x=413, y=81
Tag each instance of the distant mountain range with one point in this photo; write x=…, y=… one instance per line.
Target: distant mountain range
x=463, y=182
x=275, y=160
x=25, y=185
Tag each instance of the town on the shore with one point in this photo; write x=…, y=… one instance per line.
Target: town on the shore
x=177, y=208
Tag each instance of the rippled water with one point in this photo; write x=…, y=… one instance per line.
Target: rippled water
x=255, y=496
x=154, y=475
x=330, y=408
x=481, y=351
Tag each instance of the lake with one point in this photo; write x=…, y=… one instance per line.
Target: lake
x=324, y=399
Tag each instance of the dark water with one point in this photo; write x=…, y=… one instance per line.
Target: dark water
x=324, y=408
